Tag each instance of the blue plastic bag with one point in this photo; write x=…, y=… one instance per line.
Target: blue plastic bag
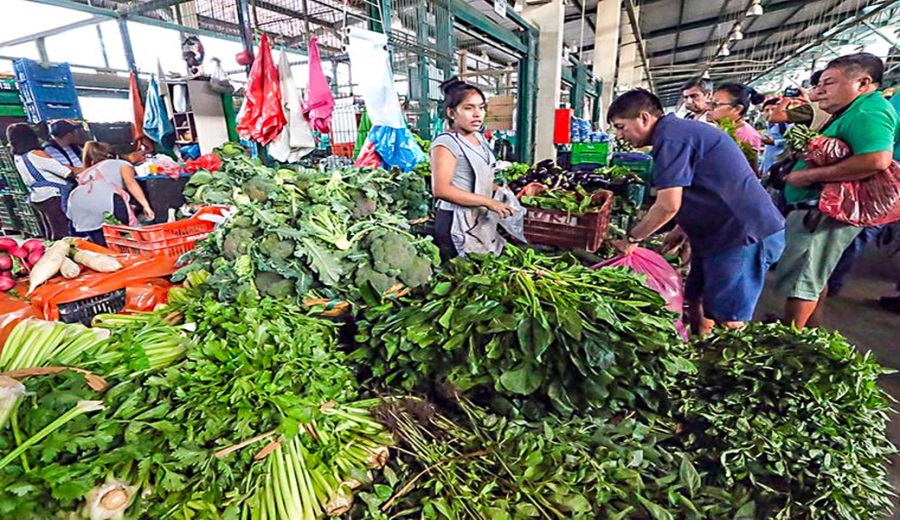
x=396, y=147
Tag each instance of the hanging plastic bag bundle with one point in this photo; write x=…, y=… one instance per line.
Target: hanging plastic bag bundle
x=661, y=277
x=296, y=139
x=262, y=115
x=319, y=98
x=371, y=67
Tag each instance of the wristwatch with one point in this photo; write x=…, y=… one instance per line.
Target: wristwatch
x=632, y=240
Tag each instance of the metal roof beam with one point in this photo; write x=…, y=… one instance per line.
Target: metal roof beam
x=269, y=6
x=145, y=7
x=716, y=20
x=94, y=20
x=747, y=36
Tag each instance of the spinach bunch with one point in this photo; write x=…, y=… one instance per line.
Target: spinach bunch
x=529, y=333
x=577, y=202
x=798, y=416
x=481, y=465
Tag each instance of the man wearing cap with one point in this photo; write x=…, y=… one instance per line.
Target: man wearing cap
x=64, y=143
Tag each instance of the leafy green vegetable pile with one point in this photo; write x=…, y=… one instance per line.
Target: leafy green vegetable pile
x=531, y=332
x=577, y=202
x=254, y=417
x=301, y=233
x=797, y=416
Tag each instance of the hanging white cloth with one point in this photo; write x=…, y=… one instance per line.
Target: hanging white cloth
x=296, y=140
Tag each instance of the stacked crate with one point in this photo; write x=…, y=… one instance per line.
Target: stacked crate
x=48, y=92
x=16, y=212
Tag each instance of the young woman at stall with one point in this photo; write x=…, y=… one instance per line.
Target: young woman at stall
x=462, y=180
x=45, y=177
x=105, y=187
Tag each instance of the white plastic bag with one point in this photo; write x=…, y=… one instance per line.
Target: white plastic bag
x=515, y=223
x=296, y=139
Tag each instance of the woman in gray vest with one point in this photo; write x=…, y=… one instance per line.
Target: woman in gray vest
x=462, y=179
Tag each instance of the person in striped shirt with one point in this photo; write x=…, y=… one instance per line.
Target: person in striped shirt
x=64, y=144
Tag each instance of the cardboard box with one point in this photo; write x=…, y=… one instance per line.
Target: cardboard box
x=500, y=112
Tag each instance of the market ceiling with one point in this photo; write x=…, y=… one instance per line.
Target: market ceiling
x=684, y=38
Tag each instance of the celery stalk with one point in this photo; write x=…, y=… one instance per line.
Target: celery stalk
x=82, y=407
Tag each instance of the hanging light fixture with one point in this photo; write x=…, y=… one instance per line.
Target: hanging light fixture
x=736, y=35
x=756, y=9
x=724, y=51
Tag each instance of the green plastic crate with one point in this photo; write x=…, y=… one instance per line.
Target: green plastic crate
x=24, y=215
x=10, y=97
x=643, y=169
x=590, y=153
x=12, y=111
x=7, y=212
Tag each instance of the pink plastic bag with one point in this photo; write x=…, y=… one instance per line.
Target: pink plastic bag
x=661, y=277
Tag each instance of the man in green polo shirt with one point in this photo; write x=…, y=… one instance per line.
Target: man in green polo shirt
x=862, y=118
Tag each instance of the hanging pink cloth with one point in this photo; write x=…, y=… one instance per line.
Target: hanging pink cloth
x=319, y=98
x=262, y=115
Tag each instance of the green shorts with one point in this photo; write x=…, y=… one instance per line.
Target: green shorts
x=810, y=256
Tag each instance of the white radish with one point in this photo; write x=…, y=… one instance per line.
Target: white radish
x=69, y=269
x=49, y=264
x=97, y=261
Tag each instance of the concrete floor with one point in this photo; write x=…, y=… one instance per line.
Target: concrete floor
x=855, y=314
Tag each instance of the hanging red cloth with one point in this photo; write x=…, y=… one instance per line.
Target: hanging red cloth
x=319, y=98
x=262, y=115
x=137, y=107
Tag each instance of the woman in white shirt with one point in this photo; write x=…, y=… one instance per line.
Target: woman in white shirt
x=105, y=187
x=45, y=177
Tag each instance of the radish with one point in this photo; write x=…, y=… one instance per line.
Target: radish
x=7, y=243
x=18, y=252
x=33, y=258
x=33, y=244
x=6, y=274
x=6, y=263
x=49, y=265
x=6, y=283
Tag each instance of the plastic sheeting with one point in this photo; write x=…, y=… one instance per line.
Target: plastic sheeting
x=319, y=98
x=262, y=115
x=371, y=67
x=157, y=125
x=661, y=277
x=296, y=139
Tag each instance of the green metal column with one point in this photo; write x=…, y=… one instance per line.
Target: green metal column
x=423, y=77
x=597, y=115
x=379, y=14
x=579, y=89
x=526, y=103
x=443, y=35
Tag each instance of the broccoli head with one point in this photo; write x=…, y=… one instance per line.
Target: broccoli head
x=258, y=188
x=363, y=206
x=417, y=272
x=237, y=243
x=276, y=248
x=273, y=285
x=391, y=252
x=380, y=281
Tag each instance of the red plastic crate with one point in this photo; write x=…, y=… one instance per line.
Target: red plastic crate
x=567, y=230
x=169, y=239
x=343, y=150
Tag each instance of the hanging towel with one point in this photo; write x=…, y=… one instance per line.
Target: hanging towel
x=365, y=124
x=262, y=116
x=156, y=118
x=319, y=98
x=137, y=107
x=296, y=140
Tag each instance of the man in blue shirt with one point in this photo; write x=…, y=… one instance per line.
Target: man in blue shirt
x=706, y=185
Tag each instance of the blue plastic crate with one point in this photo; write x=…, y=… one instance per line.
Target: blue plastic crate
x=38, y=112
x=30, y=70
x=46, y=92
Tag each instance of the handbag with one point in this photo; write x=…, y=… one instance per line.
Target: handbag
x=872, y=201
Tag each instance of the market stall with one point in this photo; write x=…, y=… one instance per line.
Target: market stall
x=283, y=341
